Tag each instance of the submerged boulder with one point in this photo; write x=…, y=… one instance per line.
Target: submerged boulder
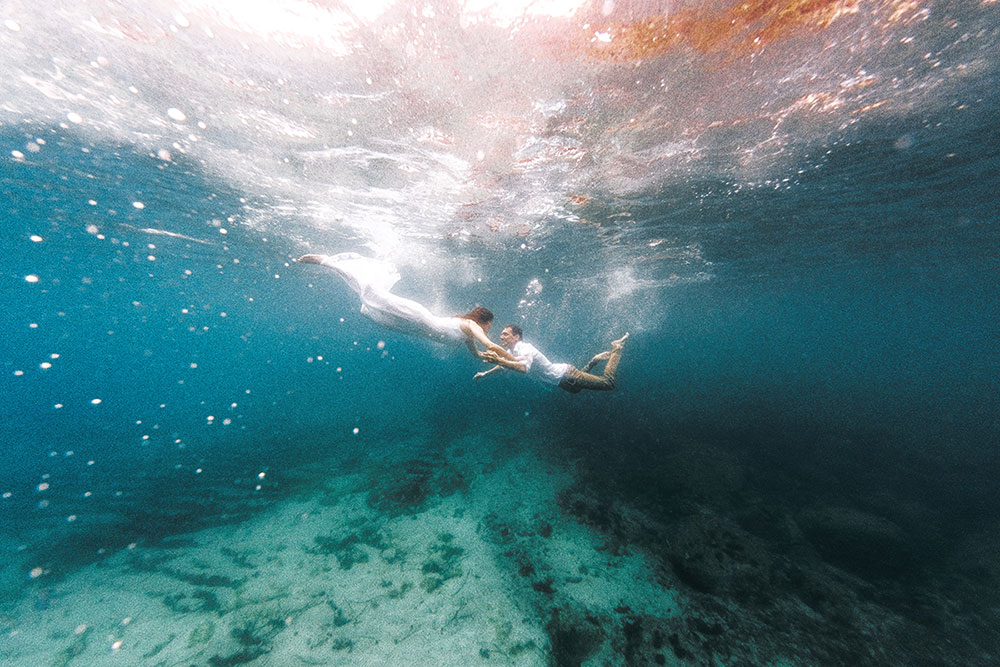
x=867, y=545
x=574, y=636
x=714, y=555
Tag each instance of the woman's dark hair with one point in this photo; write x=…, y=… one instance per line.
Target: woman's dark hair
x=481, y=316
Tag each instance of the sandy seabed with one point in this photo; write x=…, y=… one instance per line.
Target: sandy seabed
x=464, y=559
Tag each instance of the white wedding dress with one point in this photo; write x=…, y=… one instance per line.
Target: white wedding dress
x=373, y=279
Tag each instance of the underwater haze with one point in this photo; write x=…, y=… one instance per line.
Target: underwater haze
x=211, y=457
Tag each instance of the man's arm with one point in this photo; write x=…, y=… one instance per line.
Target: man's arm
x=479, y=376
x=515, y=365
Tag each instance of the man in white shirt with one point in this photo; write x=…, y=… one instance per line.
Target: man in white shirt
x=565, y=376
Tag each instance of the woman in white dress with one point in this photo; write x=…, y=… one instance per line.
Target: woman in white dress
x=373, y=279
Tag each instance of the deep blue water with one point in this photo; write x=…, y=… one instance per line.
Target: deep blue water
x=822, y=307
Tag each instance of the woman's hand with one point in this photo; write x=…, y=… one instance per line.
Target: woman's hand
x=499, y=352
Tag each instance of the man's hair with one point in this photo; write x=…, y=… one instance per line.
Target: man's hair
x=481, y=316
x=516, y=330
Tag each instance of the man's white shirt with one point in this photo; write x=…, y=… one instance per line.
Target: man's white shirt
x=537, y=365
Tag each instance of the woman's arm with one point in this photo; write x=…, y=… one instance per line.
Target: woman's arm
x=474, y=331
x=473, y=349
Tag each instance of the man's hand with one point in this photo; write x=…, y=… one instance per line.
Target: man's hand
x=490, y=357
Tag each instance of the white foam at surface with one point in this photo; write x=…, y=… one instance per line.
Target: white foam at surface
x=368, y=124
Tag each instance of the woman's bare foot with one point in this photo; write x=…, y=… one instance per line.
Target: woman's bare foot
x=620, y=343
x=310, y=259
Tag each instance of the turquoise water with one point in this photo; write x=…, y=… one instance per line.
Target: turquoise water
x=211, y=457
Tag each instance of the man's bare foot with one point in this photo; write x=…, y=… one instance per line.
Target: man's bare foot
x=603, y=356
x=310, y=259
x=620, y=343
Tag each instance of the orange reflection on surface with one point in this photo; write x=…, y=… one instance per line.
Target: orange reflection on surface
x=740, y=29
x=870, y=107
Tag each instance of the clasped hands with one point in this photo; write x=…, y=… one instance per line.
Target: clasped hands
x=489, y=357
